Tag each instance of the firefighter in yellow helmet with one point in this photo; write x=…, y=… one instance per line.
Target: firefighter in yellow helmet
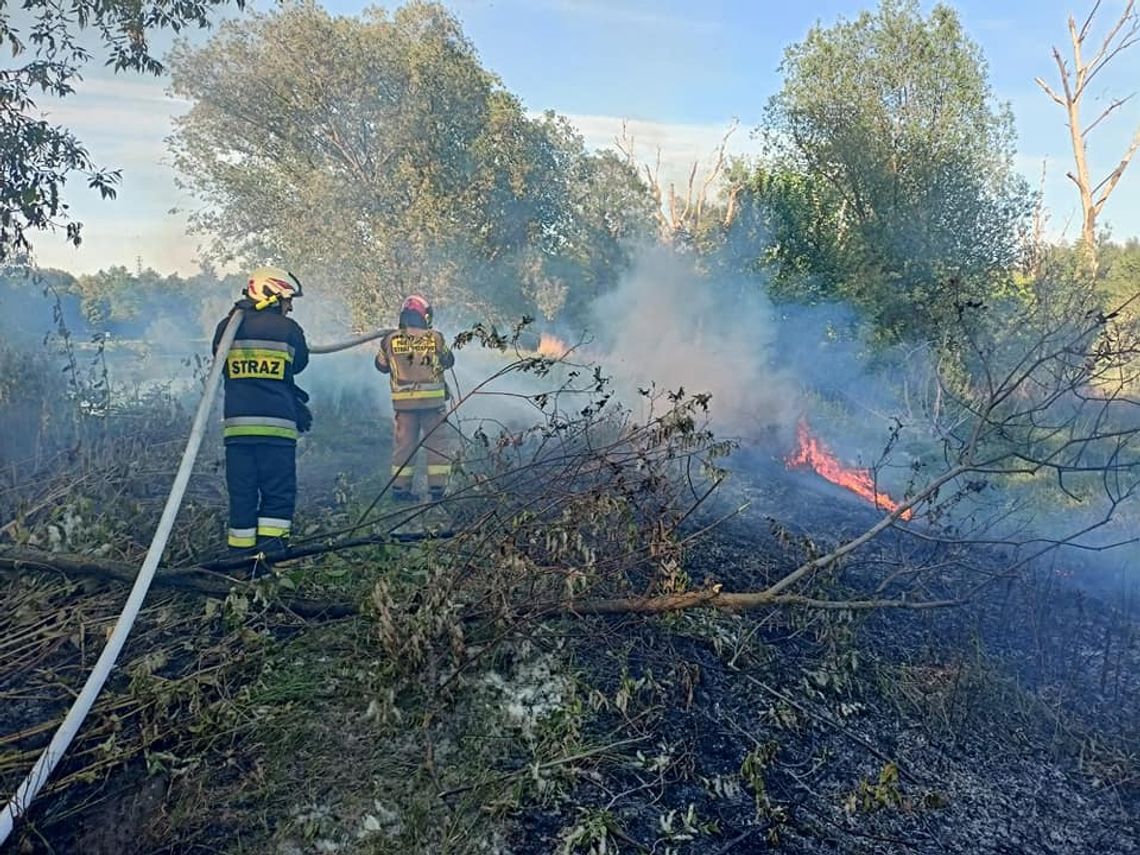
x=264, y=412
x=414, y=357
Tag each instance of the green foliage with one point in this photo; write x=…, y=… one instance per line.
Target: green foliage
x=38, y=157
x=754, y=770
x=891, y=182
x=114, y=301
x=1118, y=273
x=788, y=228
x=124, y=301
x=378, y=152
x=116, y=294
x=885, y=793
x=592, y=833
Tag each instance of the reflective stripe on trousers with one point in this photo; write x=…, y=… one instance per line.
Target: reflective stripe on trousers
x=242, y=537
x=410, y=427
x=419, y=392
x=261, y=478
x=273, y=527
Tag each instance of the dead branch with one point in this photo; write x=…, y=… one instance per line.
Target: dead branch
x=188, y=579
x=734, y=602
x=1123, y=34
x=205, y=583
x=677, y=216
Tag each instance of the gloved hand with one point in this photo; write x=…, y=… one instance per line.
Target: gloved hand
x=304, y=418
x=304, y=414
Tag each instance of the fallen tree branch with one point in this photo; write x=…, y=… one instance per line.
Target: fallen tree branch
x=742, y=601
x=193, y=580
x=295, y=552
x=209, y=583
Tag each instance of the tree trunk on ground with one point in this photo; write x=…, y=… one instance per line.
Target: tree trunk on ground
x=192, y=580
x=207, y=583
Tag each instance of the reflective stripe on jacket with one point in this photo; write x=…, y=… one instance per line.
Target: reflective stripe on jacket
x=414, y=360
x=260, y=397
x=259, y=426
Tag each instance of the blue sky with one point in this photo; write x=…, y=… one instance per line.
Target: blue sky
x=680, y=71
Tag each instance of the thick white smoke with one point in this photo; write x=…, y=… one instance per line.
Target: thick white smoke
x=665, y=327
x=669, y=326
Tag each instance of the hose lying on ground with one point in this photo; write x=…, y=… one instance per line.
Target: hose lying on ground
x=51, y=755
x=49, y=759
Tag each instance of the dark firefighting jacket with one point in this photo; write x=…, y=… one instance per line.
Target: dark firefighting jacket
x=414, y=360
x=261, y=398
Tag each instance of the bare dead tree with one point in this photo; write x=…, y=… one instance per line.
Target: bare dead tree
x=1123, y=34
x=681, y=216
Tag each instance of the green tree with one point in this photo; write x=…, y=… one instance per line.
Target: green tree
x=377, y=155
x=49, y=53
x=109, y=295
x=1119, y=282
x=787, y=227
x=893, y=111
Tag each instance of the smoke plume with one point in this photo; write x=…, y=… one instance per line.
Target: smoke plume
x=666, y=326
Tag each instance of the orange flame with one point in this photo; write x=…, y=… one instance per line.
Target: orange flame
x=551, y=346
x=810, y=451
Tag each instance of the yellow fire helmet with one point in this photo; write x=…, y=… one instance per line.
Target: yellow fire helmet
x=269, y=285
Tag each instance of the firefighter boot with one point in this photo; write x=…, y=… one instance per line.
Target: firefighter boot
x=272, y=544
x=242, y=553
x=263, y=566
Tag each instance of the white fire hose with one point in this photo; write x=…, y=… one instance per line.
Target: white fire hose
x=347, y=343
x=49, y=759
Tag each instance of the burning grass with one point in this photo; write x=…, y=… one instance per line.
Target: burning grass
x=811, y=452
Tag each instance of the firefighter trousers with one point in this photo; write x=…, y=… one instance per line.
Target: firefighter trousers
x=411, y=427
x=261, y=478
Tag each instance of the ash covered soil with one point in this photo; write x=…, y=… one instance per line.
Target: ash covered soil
x=1007, y=725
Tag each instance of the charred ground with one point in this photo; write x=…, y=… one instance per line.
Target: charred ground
x=1006, y=724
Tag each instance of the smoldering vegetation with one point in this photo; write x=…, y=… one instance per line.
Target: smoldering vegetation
x=774, y=524
x=811, y=729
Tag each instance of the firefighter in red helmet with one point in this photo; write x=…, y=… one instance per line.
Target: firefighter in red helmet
x=414, y=357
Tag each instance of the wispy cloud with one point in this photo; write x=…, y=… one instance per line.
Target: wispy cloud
x=123, y=124
x=680, y=145
x=114, y=120
x=627, y=12
x=140, y=91
x=159, y=242
x=115, y=108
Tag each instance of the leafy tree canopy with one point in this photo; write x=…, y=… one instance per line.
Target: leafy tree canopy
x=48, y=49
x=379, y=156
x=890, y=179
